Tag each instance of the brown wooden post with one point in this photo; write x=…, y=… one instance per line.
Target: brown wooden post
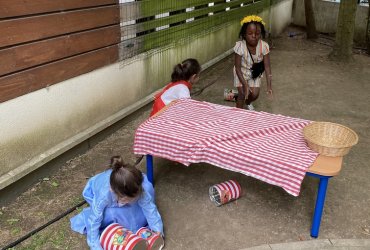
x=368, y=32
x=310, y=20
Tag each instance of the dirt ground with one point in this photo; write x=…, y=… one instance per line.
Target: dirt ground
x=306, y=85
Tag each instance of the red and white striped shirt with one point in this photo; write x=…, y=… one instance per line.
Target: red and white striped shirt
x=265, y=146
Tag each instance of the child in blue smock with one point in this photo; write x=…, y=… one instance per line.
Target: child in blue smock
x=121, y=194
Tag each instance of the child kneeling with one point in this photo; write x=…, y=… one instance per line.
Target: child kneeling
x=121, y=194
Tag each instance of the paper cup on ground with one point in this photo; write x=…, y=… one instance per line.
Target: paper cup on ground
x=116, y=237
x=155, y=241
x=224, y=192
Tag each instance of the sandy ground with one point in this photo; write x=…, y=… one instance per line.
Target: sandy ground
x=306, y=85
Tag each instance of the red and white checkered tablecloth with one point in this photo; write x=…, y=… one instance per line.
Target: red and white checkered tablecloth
x=265, y=146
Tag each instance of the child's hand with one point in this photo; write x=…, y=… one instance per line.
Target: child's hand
x=269, y=94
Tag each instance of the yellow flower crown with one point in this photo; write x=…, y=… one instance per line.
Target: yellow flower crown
x=252, y=18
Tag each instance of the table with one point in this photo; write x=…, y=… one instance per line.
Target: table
x=265, y=146
x=323, y=168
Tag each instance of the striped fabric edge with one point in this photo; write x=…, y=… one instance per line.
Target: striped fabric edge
x=292, y=191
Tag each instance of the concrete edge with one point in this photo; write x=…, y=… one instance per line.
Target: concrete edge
x=316, y=244
x=40, y=160
x=351, y=242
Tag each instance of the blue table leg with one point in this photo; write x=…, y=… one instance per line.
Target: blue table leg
x=320, y=201
x=149, y=168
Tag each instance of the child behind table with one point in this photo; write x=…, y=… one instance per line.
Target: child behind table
x=251, y=59
x=183, y=77
x=121, y=194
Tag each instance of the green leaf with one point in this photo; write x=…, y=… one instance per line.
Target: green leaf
x=54, y=184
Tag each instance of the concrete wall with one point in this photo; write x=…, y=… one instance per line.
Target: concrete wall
x=326, y=16
x=280, y=17
x=38, y=127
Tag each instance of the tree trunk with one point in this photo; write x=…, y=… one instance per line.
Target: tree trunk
x=368, y=32
x=342, y=50
x=310, y=20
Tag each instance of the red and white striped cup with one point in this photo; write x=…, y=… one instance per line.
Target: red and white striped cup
x=224, y=192
x=155, y=241
x=116, y=237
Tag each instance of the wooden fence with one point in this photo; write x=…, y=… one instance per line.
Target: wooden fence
x=44, y=42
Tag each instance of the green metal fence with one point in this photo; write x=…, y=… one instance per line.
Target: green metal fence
x=150, y=24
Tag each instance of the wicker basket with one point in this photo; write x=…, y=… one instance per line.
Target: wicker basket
x=329, y=139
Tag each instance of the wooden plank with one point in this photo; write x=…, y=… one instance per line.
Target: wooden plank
x=27, y=29
x=326, y=165
x=14, y=8
x=24, y=82
x=33, y=54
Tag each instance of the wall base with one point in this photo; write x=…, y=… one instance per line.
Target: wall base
x=11, y=192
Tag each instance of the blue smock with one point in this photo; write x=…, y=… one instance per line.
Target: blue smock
x=104, y=210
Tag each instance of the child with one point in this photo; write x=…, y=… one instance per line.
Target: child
x=184, y=75
x=251, y=59
x=121, y=194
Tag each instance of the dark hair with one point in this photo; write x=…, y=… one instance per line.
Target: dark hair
x=125, y=179
x=245, y=26
x=184, y=70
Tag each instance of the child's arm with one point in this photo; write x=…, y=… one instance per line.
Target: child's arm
x=94, y=220
x=266, y=62
x=238, y=70
x=151, y=213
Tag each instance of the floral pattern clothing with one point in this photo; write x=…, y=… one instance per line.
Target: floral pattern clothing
x=241, y=49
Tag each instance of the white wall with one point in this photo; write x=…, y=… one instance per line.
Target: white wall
x=36, y=127
x=281, y=16
x=326, y=16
